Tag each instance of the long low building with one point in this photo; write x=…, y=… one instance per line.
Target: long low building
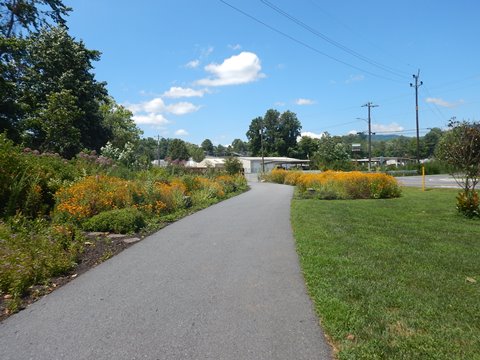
x=253, y=165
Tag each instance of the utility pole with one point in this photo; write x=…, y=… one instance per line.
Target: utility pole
x=417, y=84
x=369, y=105
x=158, y=150
x=261, y=141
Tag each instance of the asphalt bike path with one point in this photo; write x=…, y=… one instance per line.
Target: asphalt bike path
x=223, y=283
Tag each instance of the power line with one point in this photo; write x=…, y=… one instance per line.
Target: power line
x=357, y=33
x=333, y=42
x=439, y=113
x=305, y=44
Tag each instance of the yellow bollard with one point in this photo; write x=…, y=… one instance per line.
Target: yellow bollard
x=423, y=177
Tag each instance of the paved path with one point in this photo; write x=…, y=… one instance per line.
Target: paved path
x=431, y=181
x=223, y=283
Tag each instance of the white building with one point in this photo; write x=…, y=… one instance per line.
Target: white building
x=253, y=165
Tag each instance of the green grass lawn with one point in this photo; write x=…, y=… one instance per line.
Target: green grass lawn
x=393, y=279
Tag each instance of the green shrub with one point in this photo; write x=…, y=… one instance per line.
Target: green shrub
x=233, y=165
x=31, y=252
x=120, y=221
x=468, y=204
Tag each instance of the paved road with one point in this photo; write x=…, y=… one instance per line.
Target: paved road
x=431, y=181
x=223, y=283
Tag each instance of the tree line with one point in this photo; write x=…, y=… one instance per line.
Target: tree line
x=50, y=99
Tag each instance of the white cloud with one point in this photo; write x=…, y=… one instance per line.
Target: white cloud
x=178, y=92
x=389, y=128
x=441, y=102
x=182, y=108
x=157, y=106
x=193, y=64
x=311, y=135
x=279, y=103
x=154, y=106
x=150, y=119
x=181, y=132
x=235, y=47
x=354, y=78
x=304, y=101
x=238, y=69
x=153, y=112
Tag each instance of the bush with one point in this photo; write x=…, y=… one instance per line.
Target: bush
x=32, y=251
x=122, y=221
x=233, y=166
x=468, y=204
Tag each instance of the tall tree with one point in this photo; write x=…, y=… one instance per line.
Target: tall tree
x=307, y=146
x=254, y=136
x=26, y=15
x=118, y=120
x=207, y=146
x=331, y=154
x=431, y=140
x=280, y=133
x=57, y=122
x=177, y=150
x=239, y=147
x=12, y=63
x=289, y=131
x=195, y=152
x=57, y=62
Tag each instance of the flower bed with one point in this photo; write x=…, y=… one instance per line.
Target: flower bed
x=338, y=185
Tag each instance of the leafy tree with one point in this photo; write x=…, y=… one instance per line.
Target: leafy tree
x=233, y=165
x=196, y=152
x=280, y=133
x=57, y=62
x=431, y=140
x=306, y=147
x=288, y=130
x=460, y=148
x=12, y=55
x=118, y=120
x=177, y=150
x=219, y=150
x=57, y=123
x=254, y=137
x=207, y=146
x=332, y=154
x=18, y=15
x=239, y=147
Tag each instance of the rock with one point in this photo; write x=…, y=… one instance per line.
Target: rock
x=95, y=233
x=116, y=236
x=131, y=240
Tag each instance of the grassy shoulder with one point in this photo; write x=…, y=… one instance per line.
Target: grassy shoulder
x=394, y=278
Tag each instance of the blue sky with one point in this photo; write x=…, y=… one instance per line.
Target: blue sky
x=202, y=69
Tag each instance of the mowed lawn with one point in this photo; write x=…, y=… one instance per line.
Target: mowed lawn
x=393, y=279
